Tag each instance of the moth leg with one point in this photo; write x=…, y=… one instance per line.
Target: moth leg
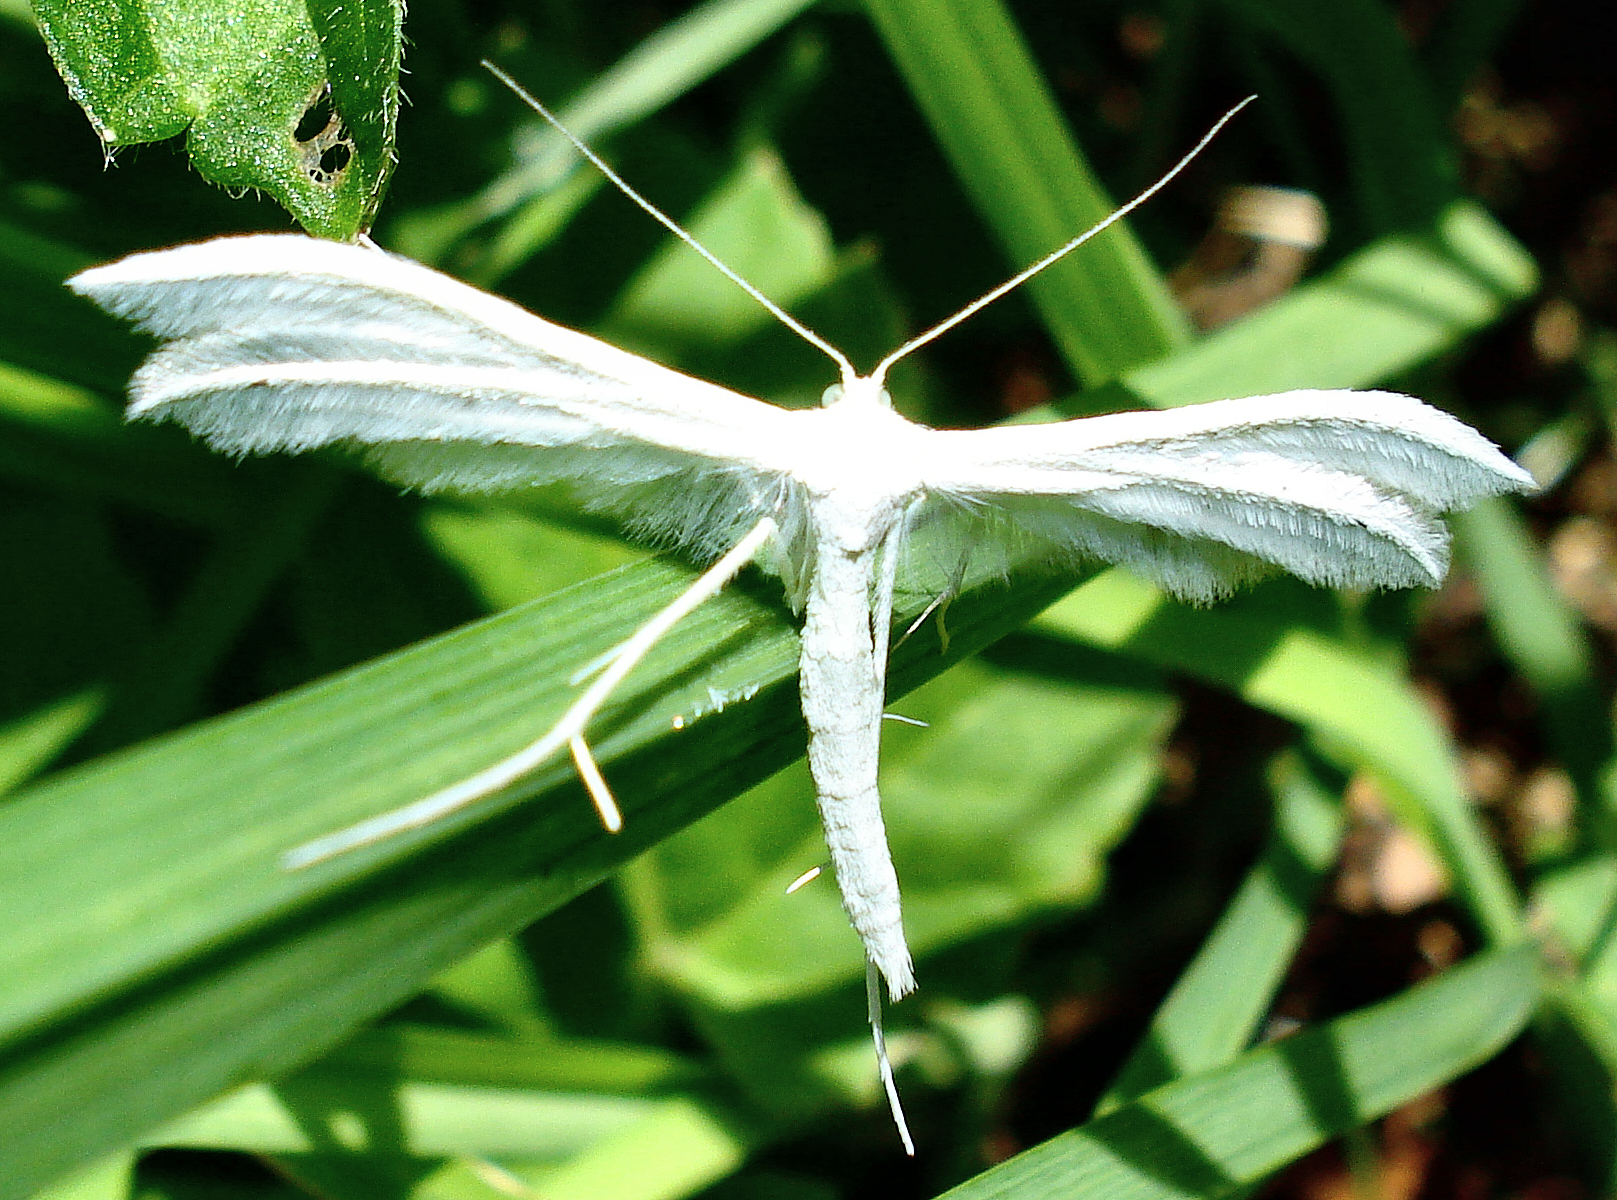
x=884, y=1065
x=569, y=731
x=903, y=720
x=807, y=877
x=939, y=605
x=606, y=807
x=943, y=620
x=611, y=668
x=940, y=602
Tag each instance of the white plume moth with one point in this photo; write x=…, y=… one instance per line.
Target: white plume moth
x=286, y=343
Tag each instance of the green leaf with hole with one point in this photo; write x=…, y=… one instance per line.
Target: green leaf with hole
x=297, y=98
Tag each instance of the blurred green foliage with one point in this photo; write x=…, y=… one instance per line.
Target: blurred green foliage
x=206, y=662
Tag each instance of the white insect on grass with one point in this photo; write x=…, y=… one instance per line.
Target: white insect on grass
x=286, y=343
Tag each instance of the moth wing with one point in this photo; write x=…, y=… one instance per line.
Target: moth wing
x=1341, y=488
x=285, y=342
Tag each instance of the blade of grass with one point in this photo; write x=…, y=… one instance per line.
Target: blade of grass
x=1215, y=1133
x=1403, y=167
x=656, y=72
x=324, y=1110
x=163, y=682
x=156, y=954
x=1216, y=1006
x=1360, y=706
x=31, y=741
x=973, y=78
x=1542, y=637
x=1392, y=305
x=110, y=1179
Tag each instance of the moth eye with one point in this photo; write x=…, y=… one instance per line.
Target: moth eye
x=831, y=395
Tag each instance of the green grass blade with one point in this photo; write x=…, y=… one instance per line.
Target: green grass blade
x=1576, y=1032
x=1403, y=167
x=163, y=683
x=156, y=952
x=1392, y=305
x=109, y=1179
x=28, y=743
x=1216, y=1006
x=1541, y=634
x=973, y=78
x=1362, y=708
x=656, y=72
x=1213, y=1134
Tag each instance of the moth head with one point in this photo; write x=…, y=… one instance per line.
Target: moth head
x=864, y=391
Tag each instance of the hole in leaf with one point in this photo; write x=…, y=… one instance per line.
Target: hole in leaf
x=316, y=117
x=324, y=146
x=336, y=158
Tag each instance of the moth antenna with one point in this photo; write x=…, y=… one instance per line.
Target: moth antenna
x=668, y=223
x=1021, y=277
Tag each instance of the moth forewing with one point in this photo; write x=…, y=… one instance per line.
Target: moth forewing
x=1340, y=488
x=279, y=341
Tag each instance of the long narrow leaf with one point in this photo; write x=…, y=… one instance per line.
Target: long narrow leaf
x=1359, y=704
x=1215, y=1008
x=972, y=76
x=1214, y=1134
x=144, y=892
